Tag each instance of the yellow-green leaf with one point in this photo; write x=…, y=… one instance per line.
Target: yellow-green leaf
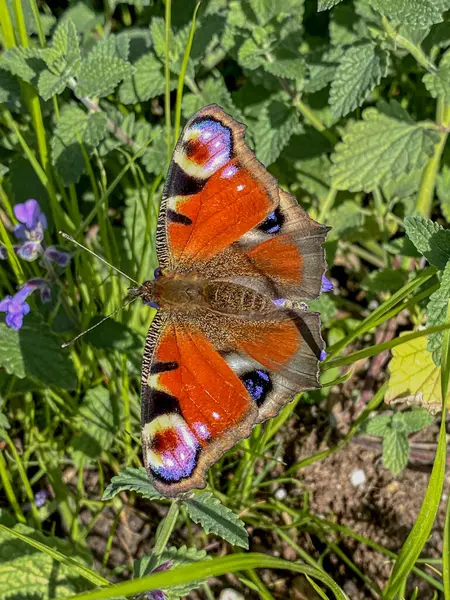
x=414, y=376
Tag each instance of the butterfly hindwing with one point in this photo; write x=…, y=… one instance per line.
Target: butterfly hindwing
x=202, y=391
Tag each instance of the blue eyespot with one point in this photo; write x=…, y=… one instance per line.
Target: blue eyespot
x=157, y=273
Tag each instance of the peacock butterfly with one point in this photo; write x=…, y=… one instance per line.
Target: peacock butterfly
x=228, y=347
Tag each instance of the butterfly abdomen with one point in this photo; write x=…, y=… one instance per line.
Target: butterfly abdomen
x=235, y=299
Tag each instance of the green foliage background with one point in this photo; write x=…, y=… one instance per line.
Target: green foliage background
x=348, y=105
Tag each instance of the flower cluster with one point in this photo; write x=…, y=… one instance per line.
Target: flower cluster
x=30, y=231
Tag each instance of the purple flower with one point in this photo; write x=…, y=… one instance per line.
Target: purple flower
x=32, y=221
x=29, y=250
x=327, y=286
x=59, y=257
x=158, y=594
x=3, y=252
x=322, y=355
x=40, y=498
x=16, y=307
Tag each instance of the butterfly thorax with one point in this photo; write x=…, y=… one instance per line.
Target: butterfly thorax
x=173, y=291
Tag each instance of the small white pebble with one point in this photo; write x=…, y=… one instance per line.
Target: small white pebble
x=444, y=497
x=357, y=478
x=230, y=594
x=280, y=494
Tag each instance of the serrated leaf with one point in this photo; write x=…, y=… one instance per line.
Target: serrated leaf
x=103, y=69
x=361, y=68
x=75, y=126
x=272, y=131
x=100, y=414
x=155, y=159
x=414, y=378
x=438, y=84
x=327, y=308
x=416, y=419
x=134, y=480
x=430, y=239
x=437, y=315
x=25, y=572
x=21, y=63
x=214, y=91
x=10, y=94
x=395, y=451
x=326, y=4
x=177, y=44
x=207, y=510
x=384, y=280
x=4, y=423
x=377, y=149
x=83, y=16
x=419, y=14
x=34, y=351
x=380, y=425
x=443, y=191
x=146, y=82
x=50, y=84
x=250, y=55
x=322, y=67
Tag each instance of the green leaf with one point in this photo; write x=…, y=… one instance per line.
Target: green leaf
x=250, y=55
x=155, y=159
x=75, y=126
x=361, y=68
x=113, y=335
x=326, y=306
x=134, y=480
x=138, y=241
x=99, y=414
x=62, y=59
x=26, y=572
x=430, y=239
x=272, y=132
x=380, y=425
x=214, y=91
x=103, y=69
x=379, y=148
x=438, y=84
x=437, y=315
x=264, y=10
x=4, y=423
x=213, y=516
x=384, y=280
x=10, y=94
x=34, y=351
x=22, y=62
x=419, y=14
x=443, y=191
x=414, y=378
x=395, y=451
x=322, y=66
x=176, y=557
x=326, y=4
x=146, y=82
x=416, y=419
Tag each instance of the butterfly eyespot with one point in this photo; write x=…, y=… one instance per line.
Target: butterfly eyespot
x=258, y=384
x=273, y=222
x=157, y=273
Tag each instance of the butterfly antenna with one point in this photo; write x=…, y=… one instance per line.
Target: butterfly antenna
x=71, y=239
x=97, y=324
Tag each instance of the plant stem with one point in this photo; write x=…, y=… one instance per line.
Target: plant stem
x=309, y=115
x=164, y=533
x=408, y=45
x=425, y=197
x=167, y=78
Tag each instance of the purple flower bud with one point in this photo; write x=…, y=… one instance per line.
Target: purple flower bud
x=29, y=251
x=3, y=252
x=163, y=567
x=327, y=286
x=323, y=355
x=20, y=231
x=40, y=498
x=156, y=595
x=62, y=259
